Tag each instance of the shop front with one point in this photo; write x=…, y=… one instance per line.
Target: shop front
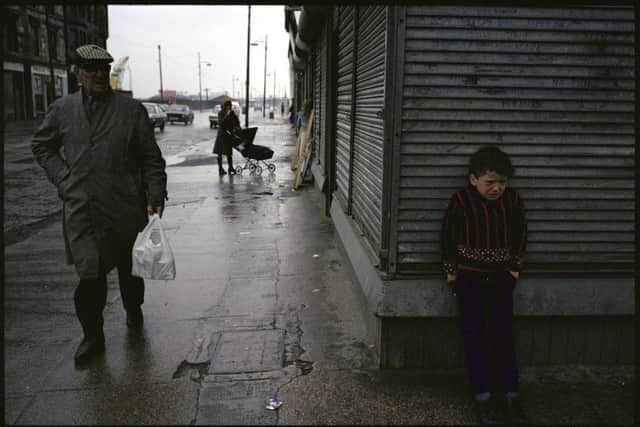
x=40, y=83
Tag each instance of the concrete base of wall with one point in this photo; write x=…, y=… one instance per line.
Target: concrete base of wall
x=416, y=316
x=436, y=343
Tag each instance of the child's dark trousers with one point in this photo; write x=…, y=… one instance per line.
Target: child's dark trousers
x=485, y=304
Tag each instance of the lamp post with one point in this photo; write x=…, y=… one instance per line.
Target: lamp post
x=264, y=90
x=274, y=91
x=200, y=77
x=246, y=102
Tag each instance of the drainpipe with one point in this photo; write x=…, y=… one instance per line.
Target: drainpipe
x=52, y=86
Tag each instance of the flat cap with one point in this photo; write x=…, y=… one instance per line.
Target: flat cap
x=90, y=53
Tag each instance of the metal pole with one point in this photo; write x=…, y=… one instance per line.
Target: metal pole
x=130, y=79
x=52, y=87
x=200, y=80
x=246, y=101
x=233, y=86
x=160, y=63
x=274, y=91
x=264, y=90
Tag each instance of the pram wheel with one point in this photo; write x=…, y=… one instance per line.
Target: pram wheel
x=271, y=167
x=258, y=170
x=239, y=170
x=252, y=167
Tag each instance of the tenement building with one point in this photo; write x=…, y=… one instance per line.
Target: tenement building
x=37, y=40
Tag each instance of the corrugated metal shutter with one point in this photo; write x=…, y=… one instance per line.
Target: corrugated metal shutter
x=346, y=44
x=555, y=89
x=368, y=136
x=317, y=105
x=322, y=94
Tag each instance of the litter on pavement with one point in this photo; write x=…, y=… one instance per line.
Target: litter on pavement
x=273, y=404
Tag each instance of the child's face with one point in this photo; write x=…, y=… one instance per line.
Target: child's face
x=490, y=185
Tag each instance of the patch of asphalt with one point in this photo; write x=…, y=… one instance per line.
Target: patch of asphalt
x=22, y=232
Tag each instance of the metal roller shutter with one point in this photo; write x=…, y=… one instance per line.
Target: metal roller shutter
x=317, y=121
x=368, y=136
x=555, y=88
x=346, y=50
x=322, y=94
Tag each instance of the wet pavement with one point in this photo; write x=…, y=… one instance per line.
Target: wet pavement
x=263, y=306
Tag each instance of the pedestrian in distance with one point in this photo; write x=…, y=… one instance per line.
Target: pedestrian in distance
x=282, y=108
x=483, y=239
x=223, y=142
x=292, y=115
x=111, y=177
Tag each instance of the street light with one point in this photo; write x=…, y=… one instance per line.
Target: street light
x=200, y=77
x=246, y=82
x=264, y=91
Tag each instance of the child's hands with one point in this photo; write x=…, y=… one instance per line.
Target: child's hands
x=515, y=274
x=451, y=278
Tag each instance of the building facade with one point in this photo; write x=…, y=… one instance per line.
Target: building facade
x=37, y=42
x=403, y=95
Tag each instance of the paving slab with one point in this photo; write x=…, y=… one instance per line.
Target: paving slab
x=248, y=351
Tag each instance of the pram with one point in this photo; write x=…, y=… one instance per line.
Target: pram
x=242, y=141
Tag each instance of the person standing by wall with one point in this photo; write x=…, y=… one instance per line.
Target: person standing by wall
x=483, y=238
x=223, y=145
x=110, y=176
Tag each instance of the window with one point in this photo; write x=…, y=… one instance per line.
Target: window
x=53, y=43
x=10, y=32
x=60, y=45
x=34, y=36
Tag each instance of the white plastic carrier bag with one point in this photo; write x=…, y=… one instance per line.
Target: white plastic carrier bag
x=152, y=255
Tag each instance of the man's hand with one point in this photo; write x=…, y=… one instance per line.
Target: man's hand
x=515, y=274
x=155, y=210
x=451, y=278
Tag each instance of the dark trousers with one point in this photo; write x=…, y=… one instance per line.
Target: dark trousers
x=485, y=303
x=90, y=296
x=229, y=161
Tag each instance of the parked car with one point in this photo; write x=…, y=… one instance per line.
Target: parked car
x=157, y=116
x=180, y=113
x=213, y=118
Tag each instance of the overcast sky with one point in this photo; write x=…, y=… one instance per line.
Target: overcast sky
x=219, y=33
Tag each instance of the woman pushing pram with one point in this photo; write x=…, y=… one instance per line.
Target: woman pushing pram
x=222, y=146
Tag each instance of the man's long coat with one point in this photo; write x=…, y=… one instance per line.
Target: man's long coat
x=107, y=166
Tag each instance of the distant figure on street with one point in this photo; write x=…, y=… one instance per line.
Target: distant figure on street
x=110, y=177
x=292, y=115
x=282, y=108
x=483, y=238
x=223, y=145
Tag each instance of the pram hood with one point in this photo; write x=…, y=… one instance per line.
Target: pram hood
x=242, y=136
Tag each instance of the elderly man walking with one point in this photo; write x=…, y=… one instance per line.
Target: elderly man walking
x=98, y=148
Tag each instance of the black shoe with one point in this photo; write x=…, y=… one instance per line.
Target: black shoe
x=222, y=172
x=134, y=318
x=232, y=171
x=88, y=349
x=512, y=411
x=485, y=411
